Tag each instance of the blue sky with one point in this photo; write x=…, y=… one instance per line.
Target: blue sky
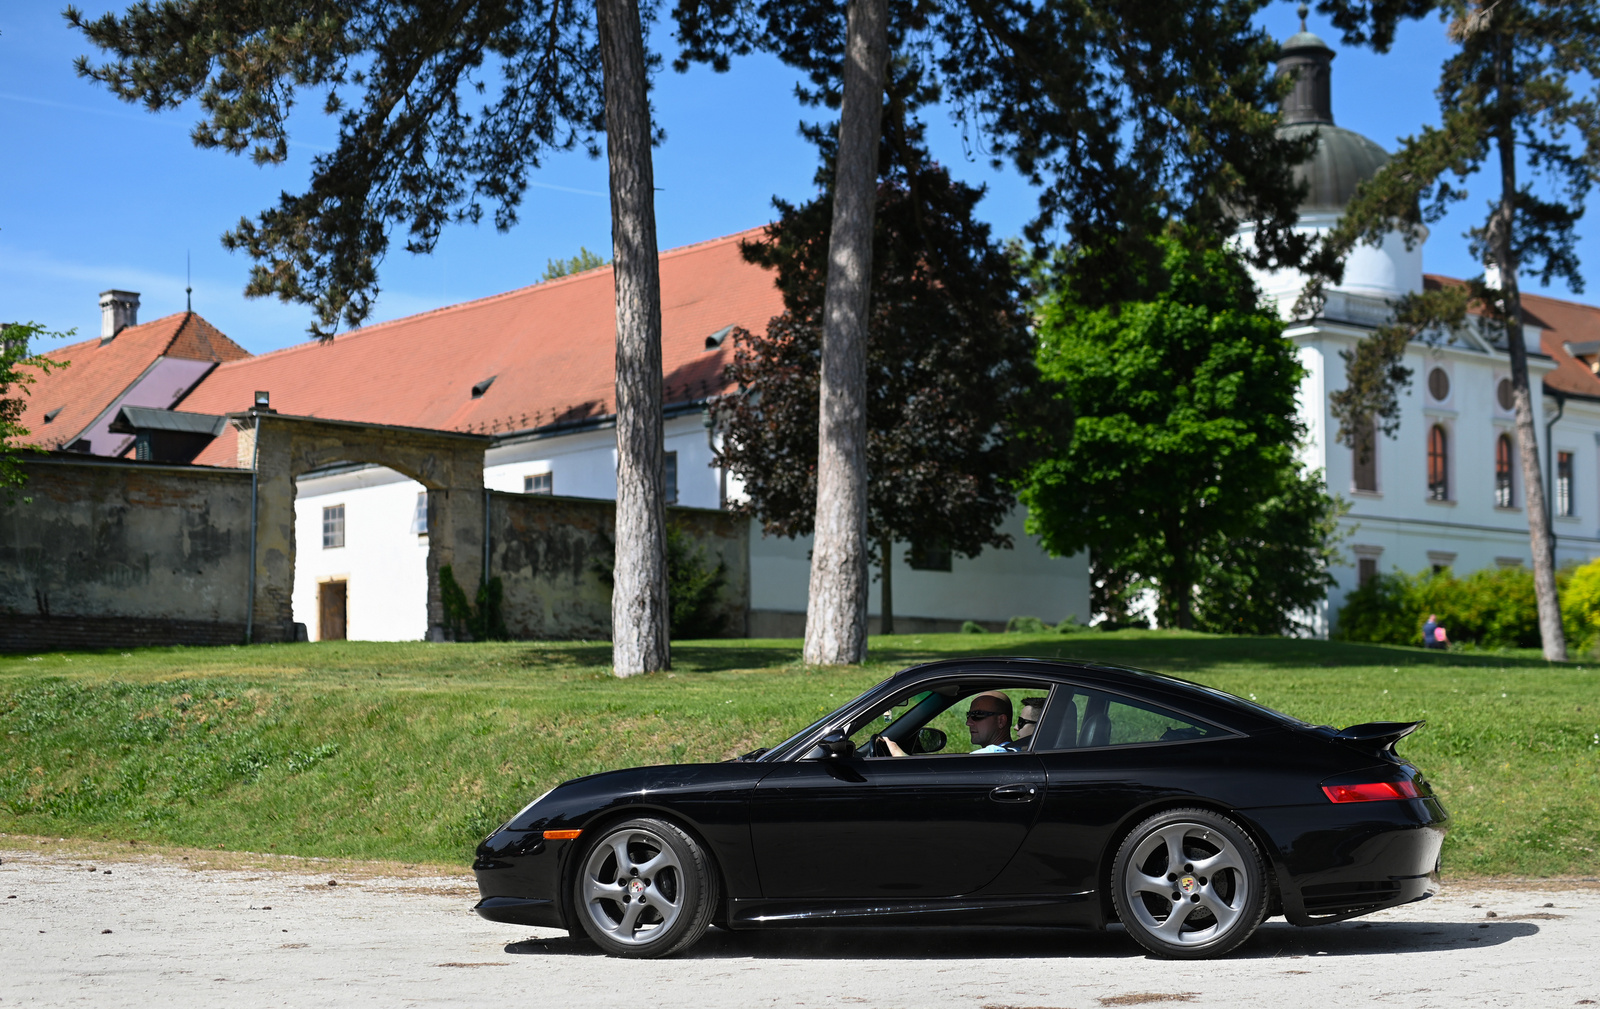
x=98, y=194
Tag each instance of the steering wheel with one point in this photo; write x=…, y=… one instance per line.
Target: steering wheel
x=877, y=746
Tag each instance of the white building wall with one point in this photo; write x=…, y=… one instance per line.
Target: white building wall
x=383, y=562
x=1398, y=524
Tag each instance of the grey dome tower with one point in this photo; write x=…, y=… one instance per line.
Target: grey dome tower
x=1343, y=158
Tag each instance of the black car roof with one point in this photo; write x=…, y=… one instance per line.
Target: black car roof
x=1127, y=679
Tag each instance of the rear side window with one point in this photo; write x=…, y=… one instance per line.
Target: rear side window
x=1079, y=718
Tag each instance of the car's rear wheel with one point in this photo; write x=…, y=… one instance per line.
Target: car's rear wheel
x=645, y=888
x=1189, y=883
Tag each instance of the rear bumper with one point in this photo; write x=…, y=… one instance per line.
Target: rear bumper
x=1340, y=863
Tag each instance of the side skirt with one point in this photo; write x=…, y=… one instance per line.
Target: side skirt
x=1071, y=909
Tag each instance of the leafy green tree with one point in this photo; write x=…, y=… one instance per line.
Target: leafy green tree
x=443, y=109
x=950, y=378
x=1181, y=472
x=1126, y=115
x=1517, y=102
x=19, y=366
x=583, y=262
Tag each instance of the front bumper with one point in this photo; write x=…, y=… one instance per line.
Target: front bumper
x=1345, y=861
x=519, y=878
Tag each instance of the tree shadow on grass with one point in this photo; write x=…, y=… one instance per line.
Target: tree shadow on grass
x=1172, y=653
x=1275, y=940
x=1179, y=652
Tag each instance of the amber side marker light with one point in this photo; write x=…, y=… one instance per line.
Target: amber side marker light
x=1365, y=793
x=568, y=835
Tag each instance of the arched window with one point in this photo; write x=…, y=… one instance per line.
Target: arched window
x=1438, y=464
x=1502, y=472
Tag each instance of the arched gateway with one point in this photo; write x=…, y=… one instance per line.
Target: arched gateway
x=279, y=448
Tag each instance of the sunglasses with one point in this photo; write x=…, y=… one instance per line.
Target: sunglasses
x=1026, y=721
x=976, y=715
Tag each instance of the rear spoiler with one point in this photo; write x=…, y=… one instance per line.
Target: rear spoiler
x=1377, y=737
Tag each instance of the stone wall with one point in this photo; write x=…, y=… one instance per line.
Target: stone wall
x=107, y=554
x=553, y=556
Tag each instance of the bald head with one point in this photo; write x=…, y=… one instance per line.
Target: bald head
x=989, y=718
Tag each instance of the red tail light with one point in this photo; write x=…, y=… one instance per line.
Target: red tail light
x=1370, y=791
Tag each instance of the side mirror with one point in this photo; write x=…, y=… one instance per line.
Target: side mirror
x=836, y=744
x=930, y=740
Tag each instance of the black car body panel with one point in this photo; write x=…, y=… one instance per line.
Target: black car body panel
x=1023, y=838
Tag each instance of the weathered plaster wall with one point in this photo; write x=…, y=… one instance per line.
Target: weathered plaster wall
x=552, y=555
x=103, y=554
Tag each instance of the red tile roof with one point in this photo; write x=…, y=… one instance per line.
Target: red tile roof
x=1559, y=322
x=550, y=347
x=99, y=373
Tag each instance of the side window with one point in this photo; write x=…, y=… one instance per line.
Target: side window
x=1089, y=718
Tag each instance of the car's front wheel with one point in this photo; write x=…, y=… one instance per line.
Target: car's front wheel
x=1189, y=883
x=645, y=888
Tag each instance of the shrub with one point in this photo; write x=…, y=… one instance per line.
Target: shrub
x=1491, y=608
x=694, y=588
x=1580, y=606
x=973, y=627
x=1026, y=625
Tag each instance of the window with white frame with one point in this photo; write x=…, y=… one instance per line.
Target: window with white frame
x=1564, y=505
x=1503, y=473
x=333, y=527
x=1438, y=463
x=1364, y=456
x=539, y=483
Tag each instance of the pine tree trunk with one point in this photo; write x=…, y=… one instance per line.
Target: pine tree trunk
x=886, y=624
x=836, y=611
x=1500, y=234
x=639, y=611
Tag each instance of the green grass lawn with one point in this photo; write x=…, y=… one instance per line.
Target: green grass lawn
x=412, y=751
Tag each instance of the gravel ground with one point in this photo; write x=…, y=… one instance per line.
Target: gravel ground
x=110, y=926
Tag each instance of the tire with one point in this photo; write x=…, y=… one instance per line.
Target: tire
x=644, y=889
x=1196, y=860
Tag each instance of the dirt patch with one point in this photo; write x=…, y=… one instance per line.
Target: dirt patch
x=212, y=859
x=1146, y=997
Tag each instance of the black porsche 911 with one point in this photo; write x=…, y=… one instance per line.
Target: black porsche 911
x=988, y=792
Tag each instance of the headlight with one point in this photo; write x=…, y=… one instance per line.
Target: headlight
x=525, y=809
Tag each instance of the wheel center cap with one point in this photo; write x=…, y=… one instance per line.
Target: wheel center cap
x=1188, y=884
x=636, y=887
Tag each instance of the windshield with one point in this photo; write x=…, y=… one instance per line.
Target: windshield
x=778, y=752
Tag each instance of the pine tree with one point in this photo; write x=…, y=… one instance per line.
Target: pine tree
x=1127, y=115
x=1517, y=100
x=417, y=150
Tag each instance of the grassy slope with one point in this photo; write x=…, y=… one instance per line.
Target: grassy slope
x=411, y=751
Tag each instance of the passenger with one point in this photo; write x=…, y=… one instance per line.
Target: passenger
x=1028, y=720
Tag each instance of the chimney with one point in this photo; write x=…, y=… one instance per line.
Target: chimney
x=118, y=311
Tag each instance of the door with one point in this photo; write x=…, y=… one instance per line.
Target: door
x=331, y=611
x=920, y=826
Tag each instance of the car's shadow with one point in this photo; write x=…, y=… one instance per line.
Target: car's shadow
x=1274, y=940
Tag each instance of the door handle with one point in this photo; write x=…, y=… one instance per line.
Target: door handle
x=1023, y=792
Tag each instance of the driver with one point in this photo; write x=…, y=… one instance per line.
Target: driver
x=988, y=721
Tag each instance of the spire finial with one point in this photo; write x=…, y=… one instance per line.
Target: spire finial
x=1303, y=10
x=188, y=285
